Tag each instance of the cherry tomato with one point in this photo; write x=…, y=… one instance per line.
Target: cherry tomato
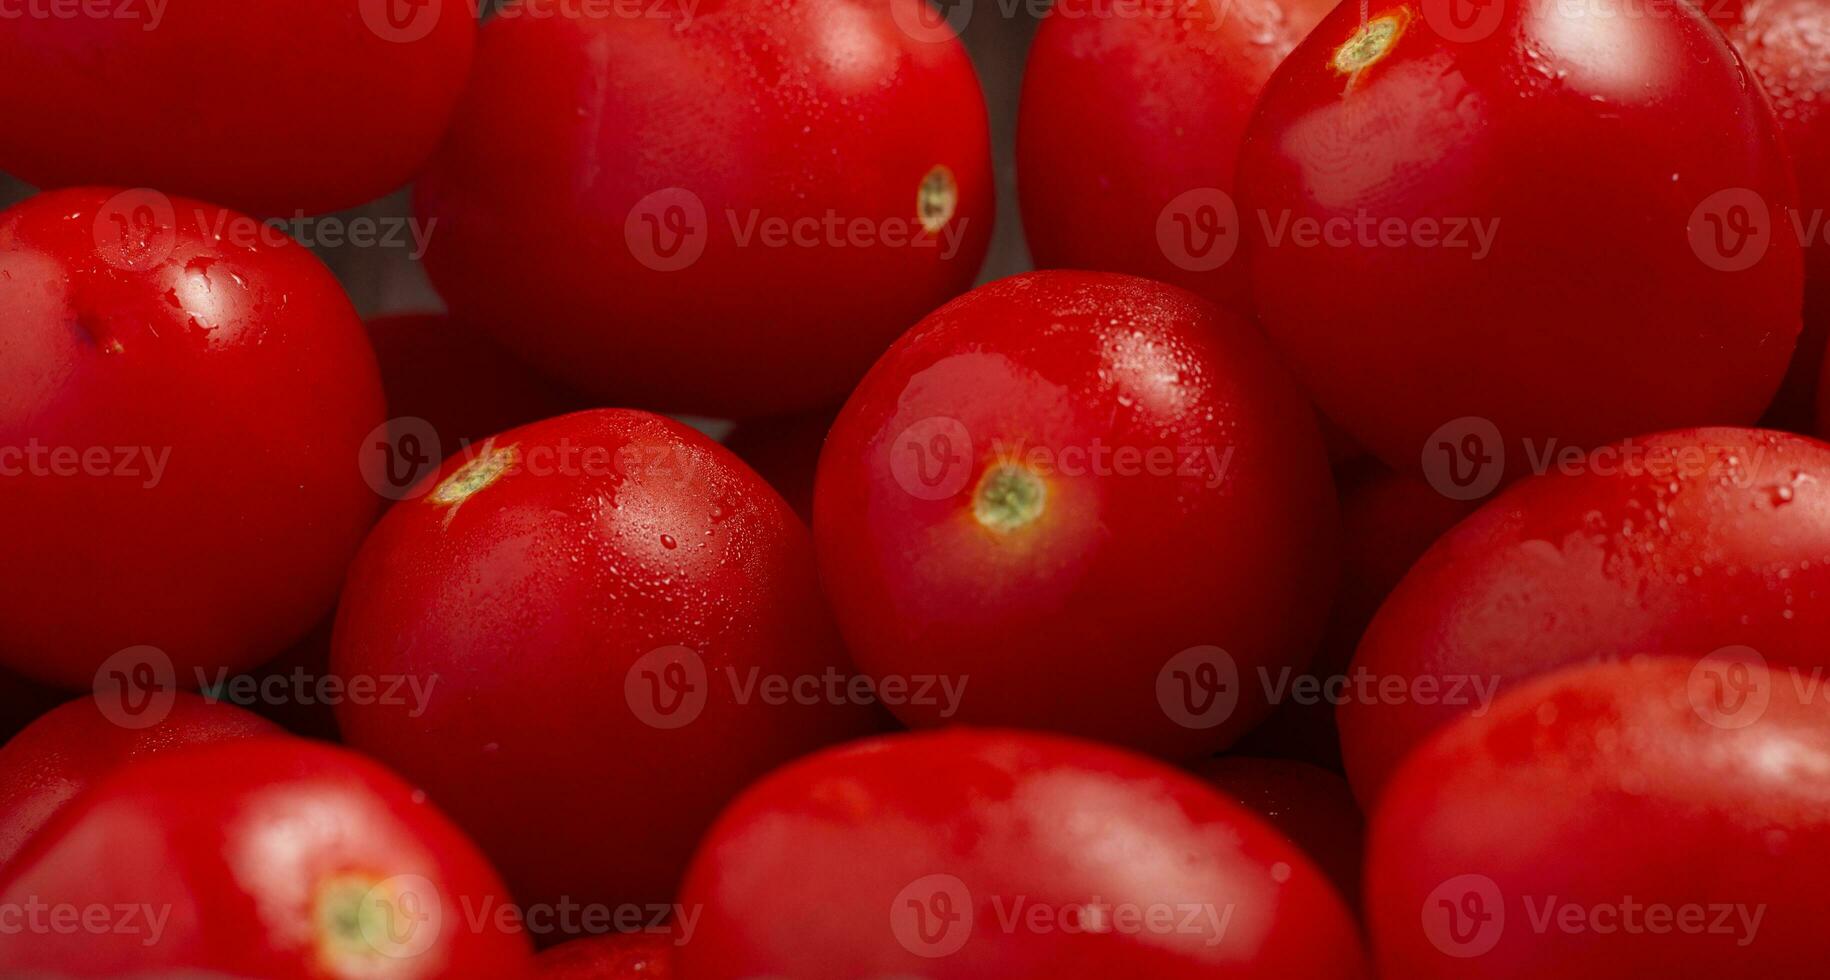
x=1786, y=45
x=45, y=766
x=786, y=452
x=1388, y=520
x=182, y=399
x=1083, y=502
x=616, y=956
x=1131, y=120
x=453, y=382
x=1682, y=542
x=267, y=857
x=602, y=607
x=729, y=211
x=1519, y=223
x=1664, y=817
x=272, y=108
x=1311, y=806
x=999, y=854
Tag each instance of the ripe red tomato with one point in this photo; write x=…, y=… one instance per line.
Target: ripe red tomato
x=997, y=854
x=1665, y=817
x=1082, y=502
x=729, y=213
x=1311, y=806
x=182, y=400
x=616, y=956
x=449, y=386
x=786, y=452
x=269, y=857
x=269, y=108
x=1684, y=542
x=1513, y=223
x=45, y=766
x=1388, y=520
x=599, y=605
x=1131, y=120
x=1786, y=43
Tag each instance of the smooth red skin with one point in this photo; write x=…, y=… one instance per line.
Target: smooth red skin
x=45, y=766
x=236, y=839
x=800, y=875
x=1388, y=520
x=1592, y=319
x=1601, y=782
x=786, y=452
x=1067, y=623
x=246, y=363
x=617, y=956
x=1786, y=44
x=530, y=602
x=270, y=108
x=1124, y=111
x=1311, y=806
x=1564, y=569
x=768, y=109
x=458, y=380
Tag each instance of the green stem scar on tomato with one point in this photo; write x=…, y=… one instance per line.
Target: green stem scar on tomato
x=1371, y=42
x=476, y=474
x=1009, y=497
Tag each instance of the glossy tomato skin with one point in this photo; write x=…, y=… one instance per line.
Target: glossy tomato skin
x=458, y=381
x=209, y=388
x=1388, y=520
x=543, y=582
x=665, y=210
x=962, y=853
x=1545, y=221
x=1129, y=114
x=271, y=857
x=1311, y=806
x=68, y=748
x=1647, y=818
x=1714, y=538
x=1786, y=44
x=268, y=108
x=616, y=956
x=1059, y=485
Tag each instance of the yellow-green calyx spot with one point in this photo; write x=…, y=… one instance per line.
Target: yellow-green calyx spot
x=936, y=199
x=1008, y=498
x=1371, y=42
x=489, y=466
